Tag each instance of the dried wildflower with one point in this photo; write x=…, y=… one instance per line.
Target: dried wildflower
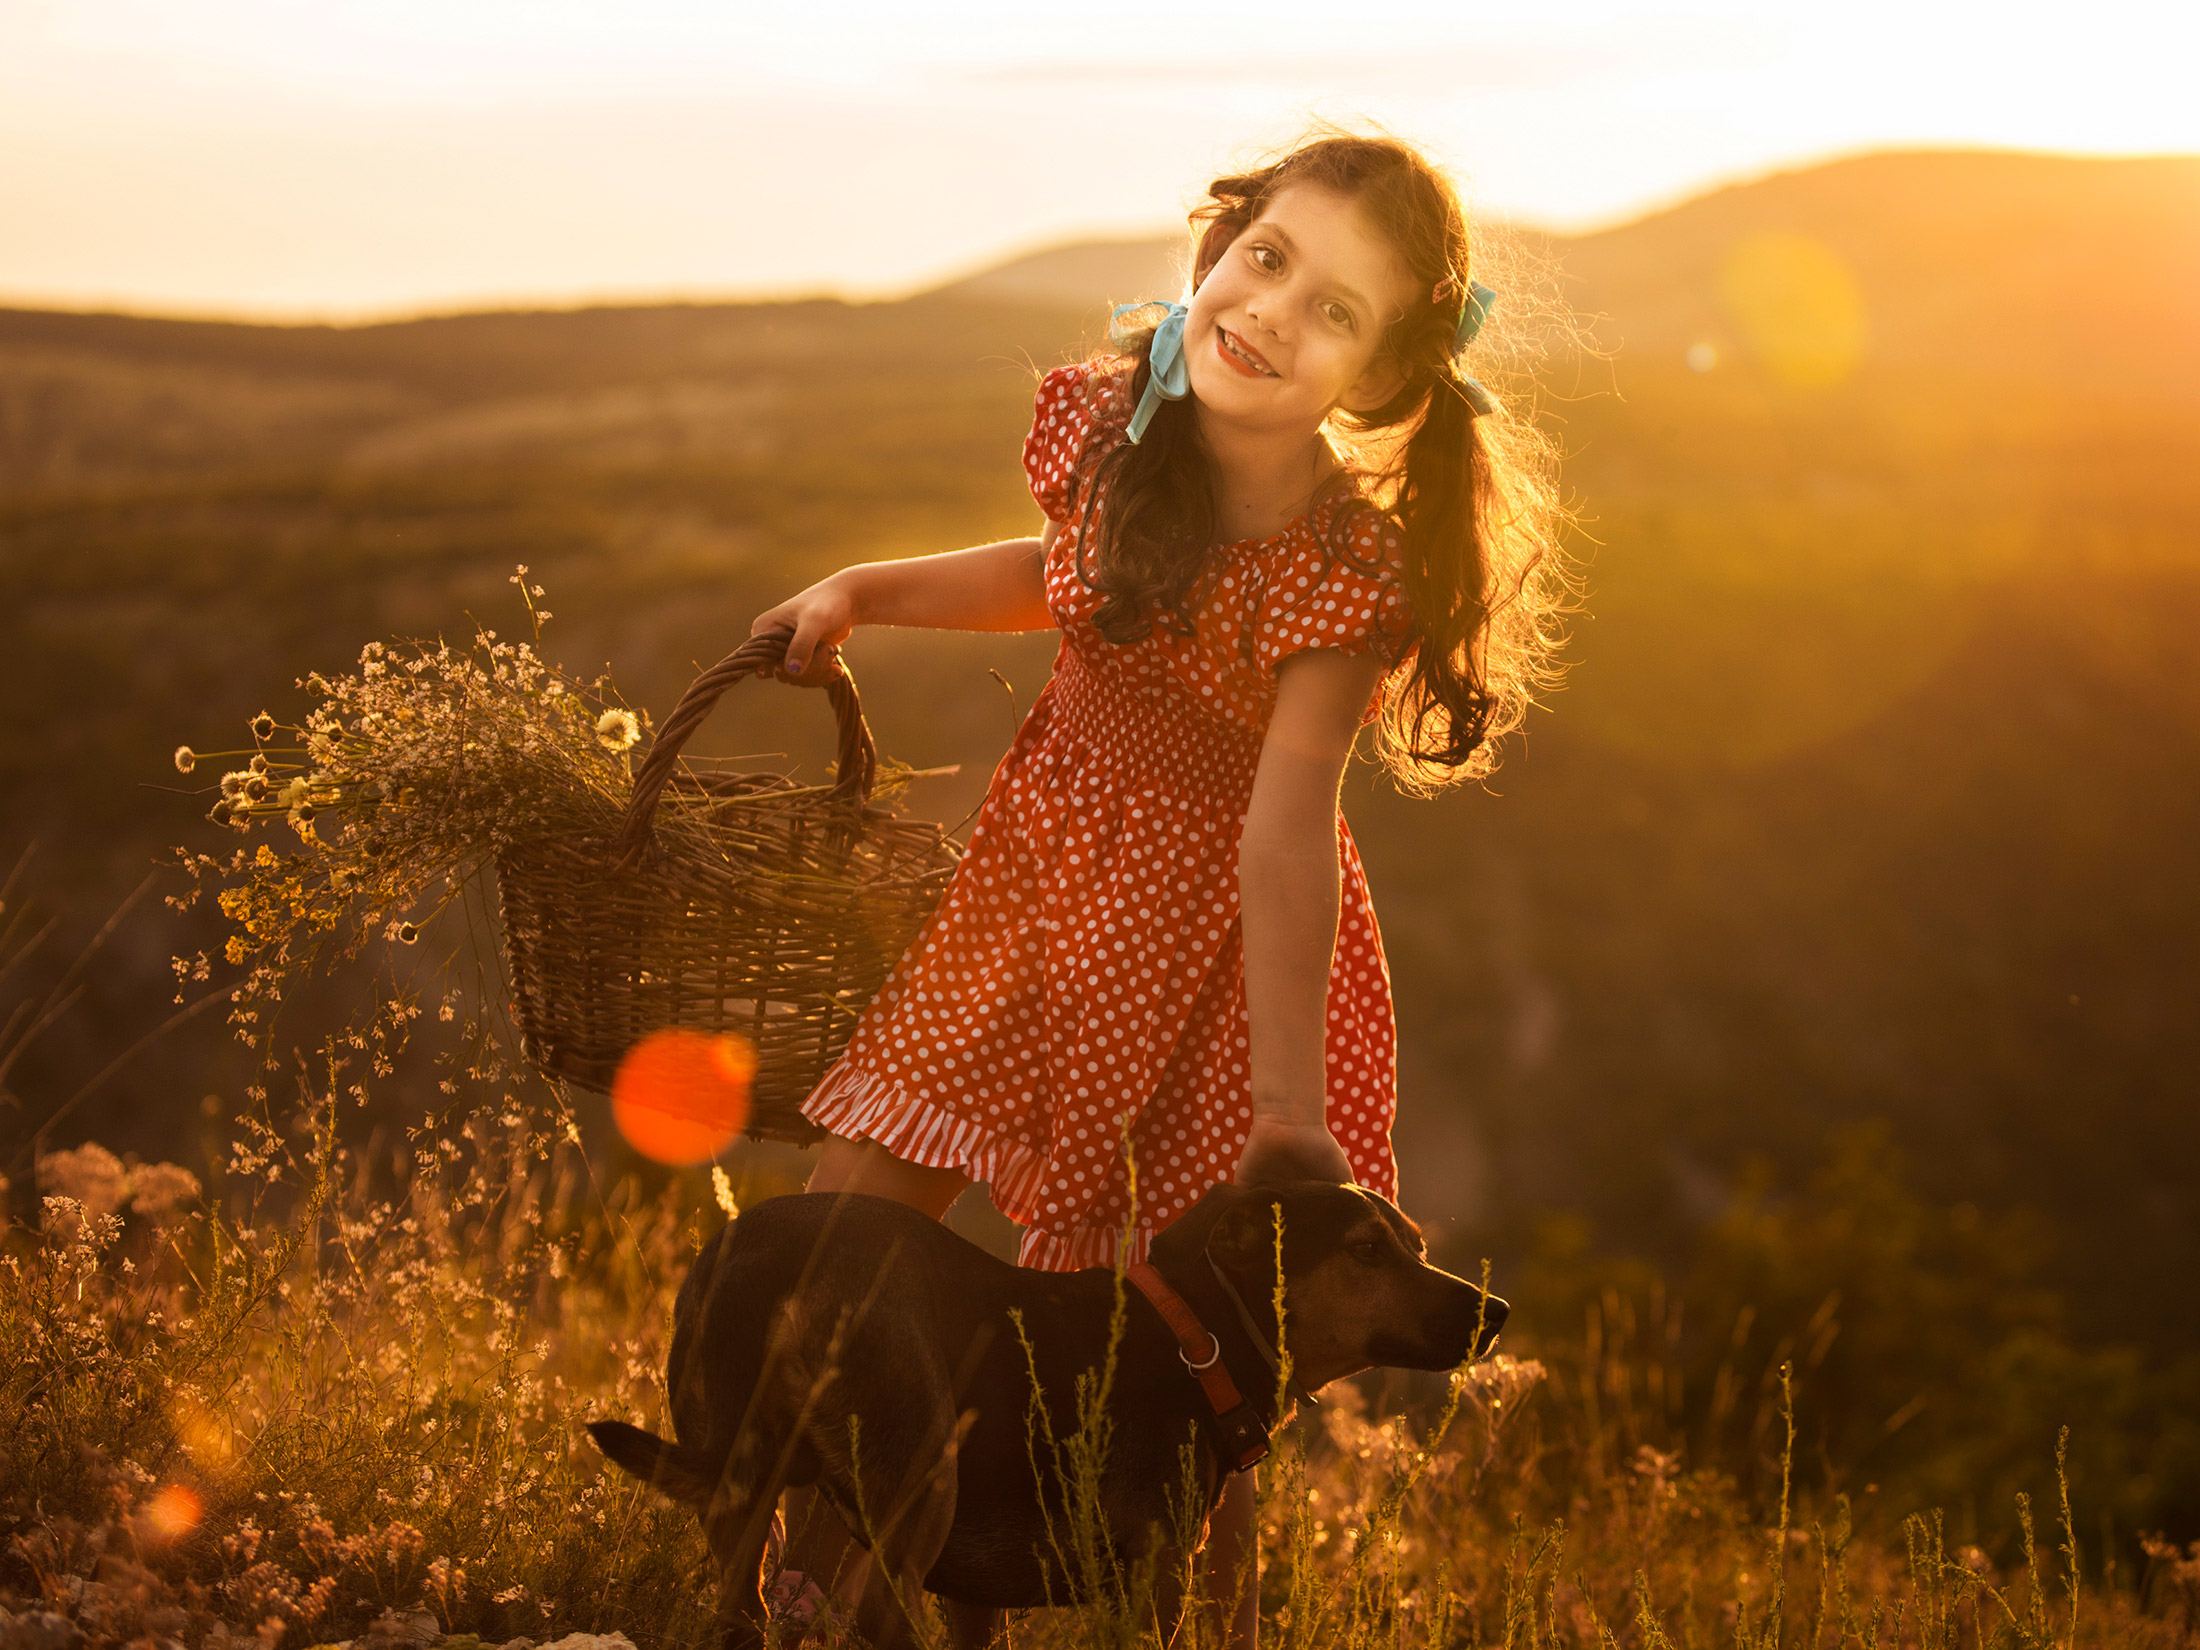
x=617, y=730
x=186, y=759
x=258, y=764
x=219, y=812
x=408, y=933
x=233, y=784
x=255, y=787
x=263, y=726
x=90, y=1174
x=158, y=1190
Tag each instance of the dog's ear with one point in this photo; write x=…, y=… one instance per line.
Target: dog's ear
x=1244, y=1239
x=1184, y=1238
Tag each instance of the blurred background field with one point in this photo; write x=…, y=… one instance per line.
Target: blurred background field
x=1815, y=982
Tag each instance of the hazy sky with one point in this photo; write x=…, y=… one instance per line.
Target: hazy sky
x=344, y=157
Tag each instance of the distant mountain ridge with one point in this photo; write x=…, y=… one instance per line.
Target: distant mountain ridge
x=1079, y=274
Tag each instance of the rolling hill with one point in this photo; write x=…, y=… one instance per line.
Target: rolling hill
x=1872, y=795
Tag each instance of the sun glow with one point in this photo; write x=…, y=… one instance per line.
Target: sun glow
x=315, y=159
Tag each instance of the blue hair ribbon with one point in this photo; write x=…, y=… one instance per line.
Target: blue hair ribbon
x=1167, y=377
x=1480, y=301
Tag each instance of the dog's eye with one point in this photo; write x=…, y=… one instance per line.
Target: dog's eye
x=1367, y=1253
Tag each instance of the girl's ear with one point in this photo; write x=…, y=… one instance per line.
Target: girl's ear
x=1376, y=387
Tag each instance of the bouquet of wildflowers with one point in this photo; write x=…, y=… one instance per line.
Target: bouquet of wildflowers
x=431, y=763
x=409, y=774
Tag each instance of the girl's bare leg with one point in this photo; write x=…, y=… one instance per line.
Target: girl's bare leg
x=866, y=1166
x=1233, y=1567
x=818, y=1544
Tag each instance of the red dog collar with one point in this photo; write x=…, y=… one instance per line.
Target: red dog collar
x=1244, y=1438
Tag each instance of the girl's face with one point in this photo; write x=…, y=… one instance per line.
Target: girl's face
x=1289, y=324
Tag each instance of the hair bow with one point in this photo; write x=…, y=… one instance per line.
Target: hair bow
x=1167, y=377
x=1480, y=301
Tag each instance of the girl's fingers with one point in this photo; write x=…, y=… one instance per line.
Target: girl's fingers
x=802, y=647
x=811, y=649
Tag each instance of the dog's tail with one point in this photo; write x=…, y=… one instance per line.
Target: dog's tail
x=657, y=1462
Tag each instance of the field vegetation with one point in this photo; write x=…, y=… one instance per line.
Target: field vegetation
x=1800, y=1022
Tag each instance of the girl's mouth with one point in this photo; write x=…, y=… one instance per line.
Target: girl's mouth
x=1241, y=356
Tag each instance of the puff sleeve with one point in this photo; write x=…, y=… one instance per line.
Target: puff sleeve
x=1346, y=594
x=1063, y=418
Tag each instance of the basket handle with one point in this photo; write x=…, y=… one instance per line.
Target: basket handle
x=856, y=762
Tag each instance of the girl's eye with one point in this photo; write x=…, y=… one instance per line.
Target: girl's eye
x=1338, y=316
x=1265, y=257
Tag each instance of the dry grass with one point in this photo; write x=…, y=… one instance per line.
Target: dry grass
x=348, y=1381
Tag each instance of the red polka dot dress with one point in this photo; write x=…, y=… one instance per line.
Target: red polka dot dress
x=1081, y=982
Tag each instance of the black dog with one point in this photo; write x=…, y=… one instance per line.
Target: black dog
x=850, y=1343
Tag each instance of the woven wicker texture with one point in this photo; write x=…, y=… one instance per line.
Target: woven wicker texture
x=729, y=902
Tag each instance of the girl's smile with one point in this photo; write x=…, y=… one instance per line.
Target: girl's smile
x=1242, y=356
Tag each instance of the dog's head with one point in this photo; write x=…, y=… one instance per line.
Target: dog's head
x=1358, y=1288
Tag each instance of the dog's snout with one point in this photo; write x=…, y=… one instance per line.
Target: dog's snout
x=1459, y=1324
x=1494, y=1312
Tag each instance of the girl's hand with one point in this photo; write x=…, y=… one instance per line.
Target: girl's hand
x=1277, y=1152
x=821, y=619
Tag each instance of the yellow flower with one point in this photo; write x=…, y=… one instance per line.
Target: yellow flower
x=186, y=759
x=616, y=730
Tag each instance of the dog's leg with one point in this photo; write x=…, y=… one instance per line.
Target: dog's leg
x=970, y=1626
x=911, y=1497
x=736, y=1536
x=738, y=1525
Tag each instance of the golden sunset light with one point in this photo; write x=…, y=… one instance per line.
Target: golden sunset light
x=830, y=825
x=330, y=159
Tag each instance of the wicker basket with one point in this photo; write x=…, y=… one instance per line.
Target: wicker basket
x=777, y=913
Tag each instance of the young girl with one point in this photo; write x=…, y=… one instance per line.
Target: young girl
x=1283, y=511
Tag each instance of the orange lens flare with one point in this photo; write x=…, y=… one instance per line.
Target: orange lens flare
x=680, y=1096
x=174, y=1511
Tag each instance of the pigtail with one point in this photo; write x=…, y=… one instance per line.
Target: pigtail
x=1149, y=549
x=1472, y=499
x=1441, y=718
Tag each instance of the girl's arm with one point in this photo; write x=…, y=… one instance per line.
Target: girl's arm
x=1287, y=899
x=993, y=587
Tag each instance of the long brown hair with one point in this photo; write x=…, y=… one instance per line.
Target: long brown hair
x=1474, y=498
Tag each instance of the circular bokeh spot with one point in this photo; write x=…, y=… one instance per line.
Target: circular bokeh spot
x=681, y=1096
x=175, y=1511
x=1799, y=305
